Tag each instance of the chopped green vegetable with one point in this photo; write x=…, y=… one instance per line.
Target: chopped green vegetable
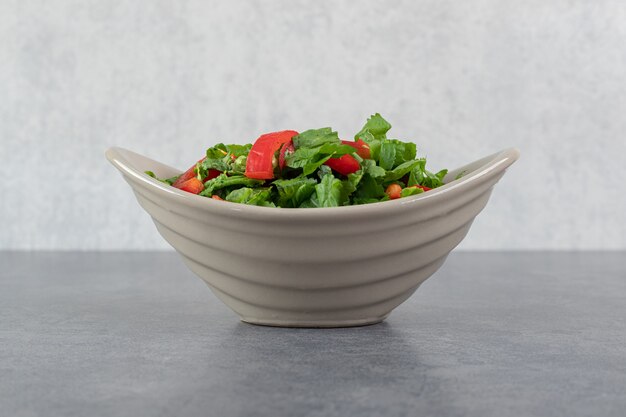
x=224, y=181
x=421, y=176
x=376, y=126
x=410, y=191
x=169, y=181
x=293, y=192
x=252, y=196
x=401, y=170
x=460, y=175
x=313, y=138
x=314, y=147
x=328, y=193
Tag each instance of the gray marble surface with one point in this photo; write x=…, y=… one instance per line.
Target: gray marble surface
x=491, y=334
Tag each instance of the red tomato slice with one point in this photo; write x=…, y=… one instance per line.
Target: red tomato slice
x=192, y=185
x=212, y=173
x=362, y=148
x=344, y=165
x=287, y=147
x=394, y=191
x=190, y=173
x=260, y=162
x=423, y=187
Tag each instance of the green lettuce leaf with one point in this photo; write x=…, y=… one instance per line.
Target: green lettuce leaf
x=224, y=181
x=369, y=167
x=401, y=170
x=238, y=166
x=169, y=181
x=208, y=164
x=314, y=138
x=238, y=150
x=218, y=151
x=410, y=191
x=309, y=159
x=220, y=157
x=350, y=184
x=328, y=193
x=376, y=126
x=420, y=175
x=369, y=188
x=394, y=152
x=293, y=192
x=251, y=196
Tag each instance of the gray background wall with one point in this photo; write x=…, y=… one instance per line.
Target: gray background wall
x=170, y=78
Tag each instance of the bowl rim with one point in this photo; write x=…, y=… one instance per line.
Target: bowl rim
x=487, y=167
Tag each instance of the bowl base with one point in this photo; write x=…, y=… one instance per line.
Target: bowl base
x=314, y=324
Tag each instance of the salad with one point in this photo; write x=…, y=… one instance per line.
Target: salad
x=313, y=168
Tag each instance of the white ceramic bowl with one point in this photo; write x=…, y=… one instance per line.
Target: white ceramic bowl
x=324, y=267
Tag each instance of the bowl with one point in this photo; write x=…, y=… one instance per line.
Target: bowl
x=315, y=267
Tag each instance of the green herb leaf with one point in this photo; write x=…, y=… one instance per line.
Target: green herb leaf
x=324, y=170
x=254, y=197
x=373, y=133
x=410, y=191
x=208, y=164
x=328, y=193
x=220, y=157
x=223, y=181
x=169, y=181
x=218, y=151
x=238, y=150
x=292, y=193
x=369, y=188
x=394, y=152
x=401, y=170
x=369, y=167
x=309, y=159
x=314, y=138
x=420, y=175
x=351, y=184
x=376, y=126
x=238, y=166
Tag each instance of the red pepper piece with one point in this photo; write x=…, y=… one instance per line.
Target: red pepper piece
x=192, y=185
x=190, y=173
x=362, y=148
x=344, y=165
x=287, y=147
x=212, y=173
x=260, y=162
x=423, y=187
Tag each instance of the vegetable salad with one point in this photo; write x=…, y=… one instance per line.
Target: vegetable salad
x=313, y=168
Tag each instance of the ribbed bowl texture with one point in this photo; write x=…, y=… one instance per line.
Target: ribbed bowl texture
x=320, y=267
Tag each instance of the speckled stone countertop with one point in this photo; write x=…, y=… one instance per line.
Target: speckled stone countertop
x=491, y=334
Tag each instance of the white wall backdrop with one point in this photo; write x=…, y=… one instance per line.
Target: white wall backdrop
x=170, y=78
